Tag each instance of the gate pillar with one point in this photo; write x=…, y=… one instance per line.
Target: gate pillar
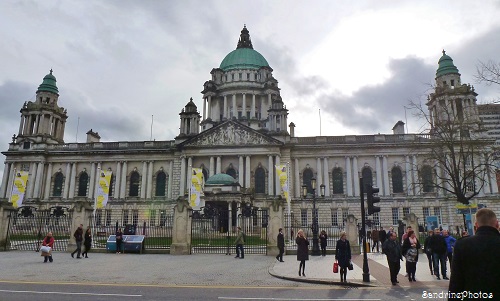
x=351, y=229
x=412, y=220
x=276, y=221
x=81, y=213
x=6, y=209
x=181, y=229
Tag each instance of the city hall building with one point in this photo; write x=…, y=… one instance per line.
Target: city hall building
x=236, y=137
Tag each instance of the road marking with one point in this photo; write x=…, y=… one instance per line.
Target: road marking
x=70, y=293
x=294, y=299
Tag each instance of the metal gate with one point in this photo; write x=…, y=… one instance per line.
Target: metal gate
x=213, y=230
x=28, y=226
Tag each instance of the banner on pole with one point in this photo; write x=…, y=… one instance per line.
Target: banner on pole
x=19, y=189
x=282, y=174
x=102, y=193
x=196, y=187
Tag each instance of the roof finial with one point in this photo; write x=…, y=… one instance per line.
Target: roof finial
x=191, y=99
x=50, y=70
x=444, y=52
x=244, y=41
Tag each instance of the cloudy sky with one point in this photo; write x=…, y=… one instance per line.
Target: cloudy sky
x=117, y=63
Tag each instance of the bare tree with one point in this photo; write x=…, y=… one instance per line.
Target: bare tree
x=488, y=73
x=456, y=153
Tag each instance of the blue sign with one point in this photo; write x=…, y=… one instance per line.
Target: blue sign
x=432, y=222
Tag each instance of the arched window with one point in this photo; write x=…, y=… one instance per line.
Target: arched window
x=427, y=182
x=83, y=182
x=397, y=180
x=230, y=171
x=111, y=184
x=134, y=184
x=307, y=175
x=260, y=180
x=58, y=184
x=338, y=180
x=161, y=181
x=367, y=178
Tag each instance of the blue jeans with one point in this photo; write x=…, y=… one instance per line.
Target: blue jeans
x=437, y=258
x=239, y=247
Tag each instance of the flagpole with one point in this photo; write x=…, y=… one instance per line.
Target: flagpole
x=288, y=201
x=92, y=226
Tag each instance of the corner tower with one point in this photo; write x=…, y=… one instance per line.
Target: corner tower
x=43, y=121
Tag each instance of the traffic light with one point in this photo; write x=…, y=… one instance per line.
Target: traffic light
x=372, y=199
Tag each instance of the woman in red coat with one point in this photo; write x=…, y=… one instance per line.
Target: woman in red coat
x=48, y=241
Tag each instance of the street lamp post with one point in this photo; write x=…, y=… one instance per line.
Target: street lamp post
x=315, y=249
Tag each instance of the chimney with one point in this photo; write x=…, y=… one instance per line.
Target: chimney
x=93, y=137
x=399, y=128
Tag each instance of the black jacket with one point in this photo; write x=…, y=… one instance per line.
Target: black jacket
x=302, y=248
x=406, y=246
x=476, y=266
x=281, y=241
x=437, y=244
x=78, y=235
x=382, y=235
x=343, y=253
x=392, y=249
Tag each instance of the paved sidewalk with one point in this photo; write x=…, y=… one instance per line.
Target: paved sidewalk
x=319, y=270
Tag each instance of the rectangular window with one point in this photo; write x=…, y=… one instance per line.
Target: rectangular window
x=248, y=76
x=135, y=217
x=426, y=212
x=163, y=218
x=395, y=216
x=303, y=217
x=315, y=214
x=437, y=212
x=152, y=217
x=241, y=76
x=335, y=217
x=376, y=219
x=125, y=217
x=98, y=217
x=108, y=217
x=345, y=213
x=406, y=211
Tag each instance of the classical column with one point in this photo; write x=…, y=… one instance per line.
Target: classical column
x=439, y=173
x=212, y=167
x=252, y=109
x=409, y=182
x=244, y=109
x=277, y=179
x=189, y=173
x=415, y=175
x=5, y=179
x=210, y=107
x=31, y=181
x=326, y=176
x=319, y=177
x=92, y=180
x=123, y=185
x=183, y=177
x=38, y=181
x=170, y=178
x=235, y=111
x=348, y=176
x=42, y=127
x=224, y=115
x=247, y=172
x=144, y=178
x=204, y=108
x=37, y=120
x=493, y=181
x=263, y=108
x=270, y=175
x=378, y=168
x=149, y=185
x=219, y=165
x=67, y=176
x=72, y=181
x=240, y=171
x=356, y=175
x=385, y=172
x=48, y=180
x=118, y=177
x=297, y=178
x=21, y=125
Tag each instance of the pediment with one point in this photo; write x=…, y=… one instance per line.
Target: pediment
x=231, y=133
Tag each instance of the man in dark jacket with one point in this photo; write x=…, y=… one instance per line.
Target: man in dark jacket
x=438, y=246
x=475, y=265
x=78, y=235
x=392, y=249
x=281, y=245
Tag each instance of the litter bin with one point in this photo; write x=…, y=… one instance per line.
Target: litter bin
x=367, y=247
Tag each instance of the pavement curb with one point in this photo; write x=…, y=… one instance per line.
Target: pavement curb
x=318, y=281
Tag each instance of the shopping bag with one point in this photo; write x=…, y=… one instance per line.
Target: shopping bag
x=45, y=249
x=351, y=266
x=335, y=267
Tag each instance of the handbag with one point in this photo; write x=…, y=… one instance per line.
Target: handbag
x=350, y=267
x=45, y=249
x=335, y=267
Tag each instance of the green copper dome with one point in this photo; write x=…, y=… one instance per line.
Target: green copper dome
x=220, y=179
x=244, y=57
x=48, y=84
x=446, y=66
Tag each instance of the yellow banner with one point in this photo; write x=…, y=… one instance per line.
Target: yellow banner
x=102, y=193
x=196, y=187
x=19, y=189
x=282, y=174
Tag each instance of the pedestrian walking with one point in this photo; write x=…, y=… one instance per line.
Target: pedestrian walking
x=281, y=245
x=343, y=255
x=87, y=242
x=428, y=251
x=410, y=248
x=119, y=240
x=323, y=239
x=239, y=242
x=438, y=247
x=475, y=266
x=302, y=251
x=450, y=243
x=392, y=249
x=375, y=239
x=382, y=235
x=48, y=241
x=78, y=235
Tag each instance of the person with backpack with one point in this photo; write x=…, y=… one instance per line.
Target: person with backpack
x=239, y=242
